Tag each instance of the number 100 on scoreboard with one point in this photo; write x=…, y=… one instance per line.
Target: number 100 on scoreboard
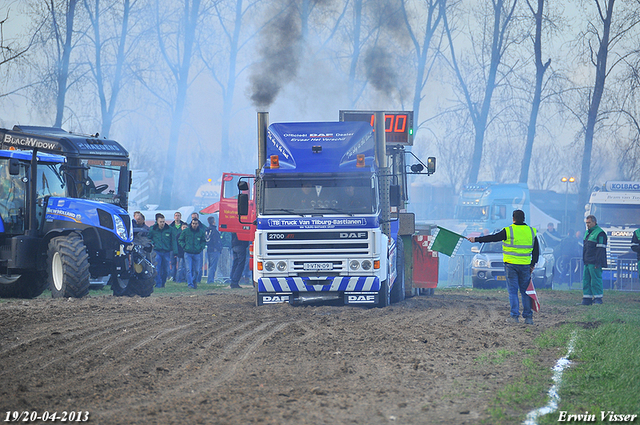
x=398, y=126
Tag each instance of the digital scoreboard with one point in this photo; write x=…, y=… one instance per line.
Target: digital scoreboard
x=398, y=126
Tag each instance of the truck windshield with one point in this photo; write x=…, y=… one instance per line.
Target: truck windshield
x=472, y=212
x=314, y=196
x=614, y=215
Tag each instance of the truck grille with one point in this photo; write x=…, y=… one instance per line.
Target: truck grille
x=327, y=245
x=617, y=246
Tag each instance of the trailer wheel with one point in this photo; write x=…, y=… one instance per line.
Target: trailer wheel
x=68, y=267
x=25, y=285
x=397, y=291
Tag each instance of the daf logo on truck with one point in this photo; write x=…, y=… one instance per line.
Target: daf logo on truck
x=275, y=299
x=359, y=235
x=361, y=299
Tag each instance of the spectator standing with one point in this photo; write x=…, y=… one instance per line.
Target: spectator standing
x=139, y=225
x=553, y=237
x=594, y=257
x=214, y=246
x=196, y=216
x=176, y=264
x=193, y=240
x=520, y=252
x=181, y=275
x=239, y=251
x=164, y=242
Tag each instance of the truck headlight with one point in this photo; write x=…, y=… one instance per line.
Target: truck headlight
x=269, y=266
x=354, y=264
x=281, y=266
x=366, y=265
x=120, y=229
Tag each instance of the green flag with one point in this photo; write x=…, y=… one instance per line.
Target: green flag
x=445, y=241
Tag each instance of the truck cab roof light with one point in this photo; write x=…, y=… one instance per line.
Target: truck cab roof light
x=275, y=161
x=360, y=160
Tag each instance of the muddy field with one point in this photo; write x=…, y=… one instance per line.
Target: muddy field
x=216, y=358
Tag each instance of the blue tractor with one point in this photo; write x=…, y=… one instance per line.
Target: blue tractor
x=50, y=239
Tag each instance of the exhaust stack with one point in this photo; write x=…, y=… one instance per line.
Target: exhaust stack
x=263, y=124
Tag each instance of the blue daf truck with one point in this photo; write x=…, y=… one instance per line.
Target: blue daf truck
x=48, y=239
x=325, y=232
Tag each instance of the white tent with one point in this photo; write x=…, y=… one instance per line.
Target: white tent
x=539, y=219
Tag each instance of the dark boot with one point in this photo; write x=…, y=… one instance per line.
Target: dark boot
x=597, y=300
x=586, y=301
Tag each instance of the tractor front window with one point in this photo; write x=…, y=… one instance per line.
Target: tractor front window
x=12, y=198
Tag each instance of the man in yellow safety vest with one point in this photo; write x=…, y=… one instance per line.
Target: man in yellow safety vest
x=520, y=252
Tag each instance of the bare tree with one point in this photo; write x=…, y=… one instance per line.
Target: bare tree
x=541, y=68
x=224, y=59
x=176, y=39
x=11, y=50
x=606, y=33
x=425, y=57
x=110, y=53
x=64, y=44
x=498, y=41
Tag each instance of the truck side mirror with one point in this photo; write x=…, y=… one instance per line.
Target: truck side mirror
x=394, y=195
x=243, y=204
x=14, y=167
x=243, y=185
x=431, y=165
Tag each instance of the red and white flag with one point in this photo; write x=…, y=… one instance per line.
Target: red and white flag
x=531, y=291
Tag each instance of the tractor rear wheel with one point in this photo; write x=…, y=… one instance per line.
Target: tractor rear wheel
x=68, y=267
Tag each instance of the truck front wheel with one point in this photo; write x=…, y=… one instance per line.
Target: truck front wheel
x=68, y=267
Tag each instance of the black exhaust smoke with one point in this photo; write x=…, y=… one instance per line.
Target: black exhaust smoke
x=280, y=59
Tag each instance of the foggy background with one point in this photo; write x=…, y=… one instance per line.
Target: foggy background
x=179, y=82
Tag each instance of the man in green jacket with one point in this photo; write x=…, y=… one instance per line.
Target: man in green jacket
x=164, y=242
x=193, y=240
x=594, y=257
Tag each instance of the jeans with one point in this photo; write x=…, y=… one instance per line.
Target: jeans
x=194, y=267
x=162, y=258
x=212, y=264
x=198, y=278
x=518, y=276
x=181, y=274
x=174, y=267
x=239, y=258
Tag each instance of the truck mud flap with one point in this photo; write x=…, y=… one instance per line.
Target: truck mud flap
x=361, y=298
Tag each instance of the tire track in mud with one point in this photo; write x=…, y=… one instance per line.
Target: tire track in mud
x=66, y=330
x=204, y=359
x=238, y=343
x=64, y=342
